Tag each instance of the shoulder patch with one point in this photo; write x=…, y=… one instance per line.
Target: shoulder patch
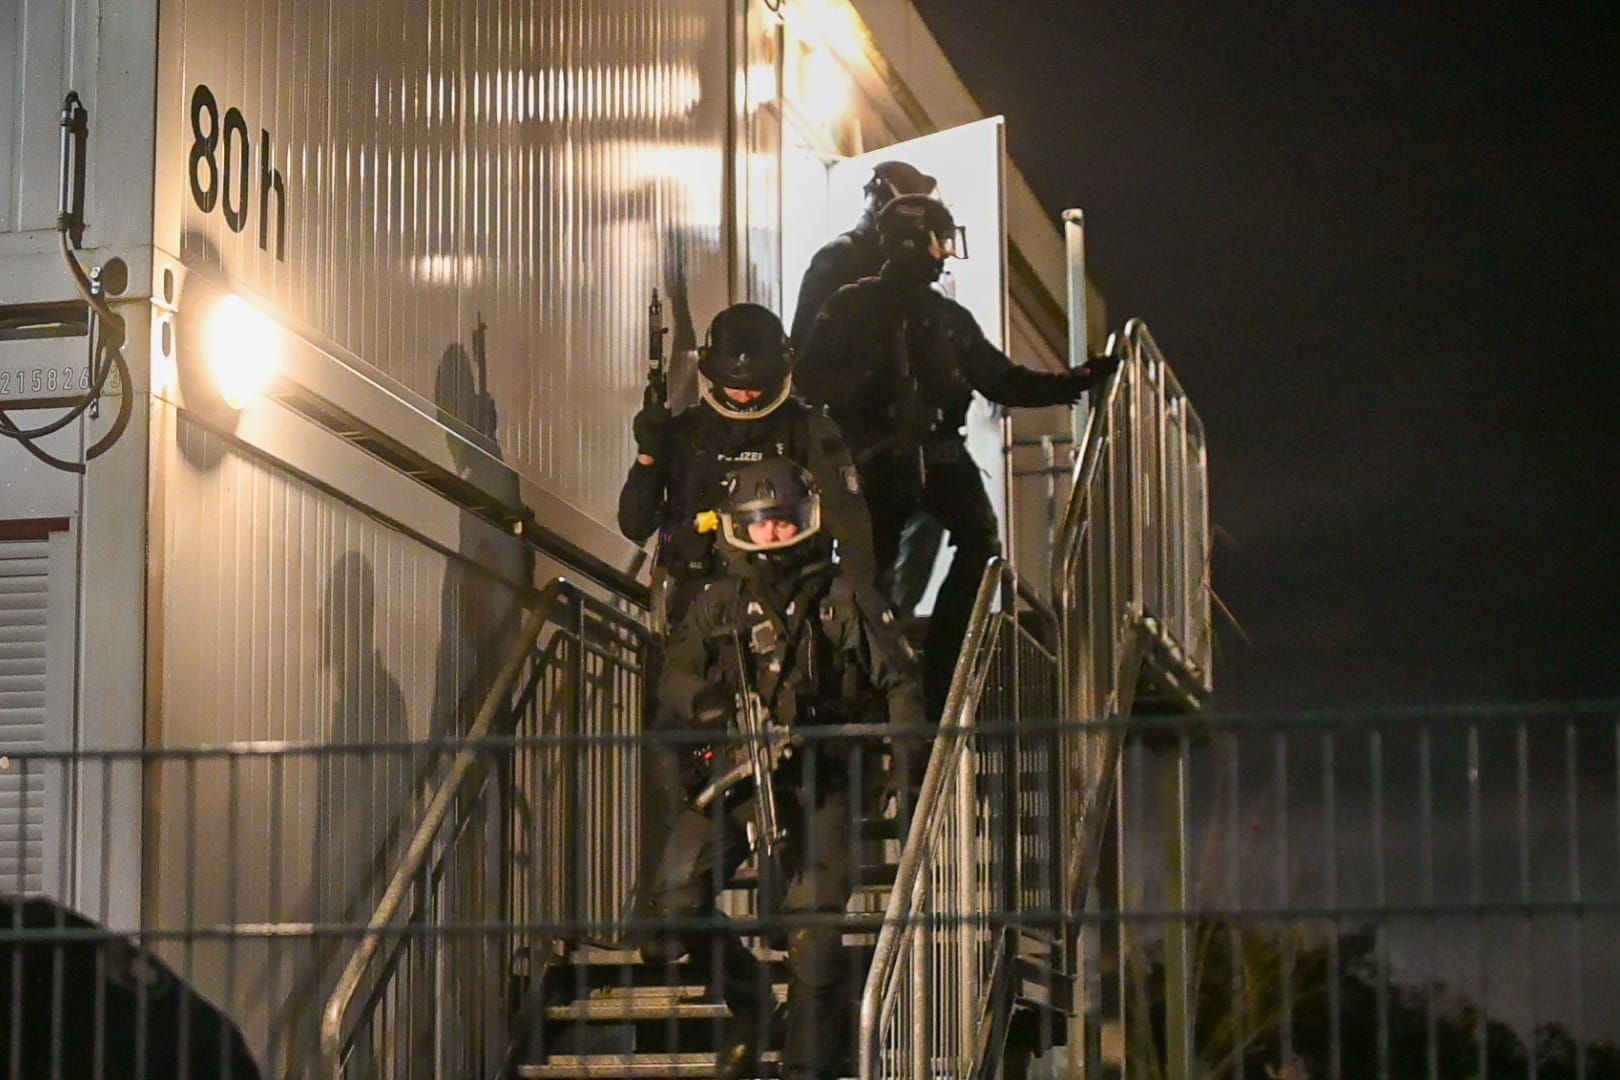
x=850, y=478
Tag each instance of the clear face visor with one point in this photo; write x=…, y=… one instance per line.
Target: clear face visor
x=772, y=528
x=756, y=408
x=953, y=245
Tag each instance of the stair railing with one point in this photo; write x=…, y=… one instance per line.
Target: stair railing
x=931, y=999
x=517, y=834
x=1130, y=580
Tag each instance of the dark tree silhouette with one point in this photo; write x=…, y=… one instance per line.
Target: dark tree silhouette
x=1267, y=996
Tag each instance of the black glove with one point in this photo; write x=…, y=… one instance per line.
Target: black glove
x=1101, y=366
x=649, y=425
x=714, y=706
x=1094, y=371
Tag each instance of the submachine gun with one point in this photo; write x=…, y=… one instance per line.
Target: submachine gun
x=657, y=391
x=765, y=746
x=657, y=365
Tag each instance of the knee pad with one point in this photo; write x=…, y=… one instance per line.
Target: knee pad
x=816, y=955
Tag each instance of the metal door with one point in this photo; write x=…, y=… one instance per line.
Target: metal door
x=970, y=164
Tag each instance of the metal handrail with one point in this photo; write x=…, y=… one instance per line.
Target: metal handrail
x=416, y=853
x=1130, y=581
x=1154, y=597
x=900, y=920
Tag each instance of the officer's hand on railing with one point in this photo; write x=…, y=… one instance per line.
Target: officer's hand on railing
x=713, y=707
x=650, y=424
x=1090, y=374
x=1103, y=365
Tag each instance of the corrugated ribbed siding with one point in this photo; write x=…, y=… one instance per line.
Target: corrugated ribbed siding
x=531, y=169
x=24, y=592
x=289, y=613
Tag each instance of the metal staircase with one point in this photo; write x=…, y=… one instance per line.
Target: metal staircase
x=607, y=1012
x=503, y=945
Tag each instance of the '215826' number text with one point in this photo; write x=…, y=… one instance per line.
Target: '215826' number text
x=31, y=382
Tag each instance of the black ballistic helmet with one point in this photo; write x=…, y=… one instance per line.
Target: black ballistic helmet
x=909, y=222
x=894, y=178
x=776, y=488
x=746, y=349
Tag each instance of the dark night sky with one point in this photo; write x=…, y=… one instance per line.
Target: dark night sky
x=1378, y=242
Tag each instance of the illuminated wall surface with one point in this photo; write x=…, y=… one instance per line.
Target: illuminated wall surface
x=296, y=616
x=432, y=166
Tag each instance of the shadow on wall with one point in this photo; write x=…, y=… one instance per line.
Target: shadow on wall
x=479, y=611
x=364, y=798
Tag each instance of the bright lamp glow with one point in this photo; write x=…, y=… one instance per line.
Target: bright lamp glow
x=244, y=350
x=826, y=87
x=832, y=22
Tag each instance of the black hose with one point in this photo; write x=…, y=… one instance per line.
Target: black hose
x=108, y=327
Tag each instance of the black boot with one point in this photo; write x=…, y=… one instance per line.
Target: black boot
x=746, y=1038
x=744, y=985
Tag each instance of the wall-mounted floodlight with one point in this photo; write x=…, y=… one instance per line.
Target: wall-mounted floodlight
x=244, y=350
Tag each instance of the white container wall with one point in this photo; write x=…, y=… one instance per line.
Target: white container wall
x=393, y=177
x=295, y=615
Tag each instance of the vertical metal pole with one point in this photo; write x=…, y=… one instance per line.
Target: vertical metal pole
x=1085, y=1034
x=966, y=879
x=1577, y=936
x=922, y=974
x=1074, y=238
x=1049, y=470
x=1178, y=1020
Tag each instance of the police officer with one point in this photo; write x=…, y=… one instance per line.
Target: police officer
x=818, y=647
x=896, y=363
x=746, y=412
x=856, y=253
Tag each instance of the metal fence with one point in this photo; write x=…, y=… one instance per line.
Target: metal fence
x=1424, y=893
x=1418, y=894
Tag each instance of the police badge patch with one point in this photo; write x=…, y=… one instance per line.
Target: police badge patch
x=851, y=479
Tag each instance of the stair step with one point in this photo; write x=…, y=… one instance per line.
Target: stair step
x=627, y=1003
x=627, y=1066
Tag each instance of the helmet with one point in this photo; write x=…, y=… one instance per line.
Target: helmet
x=746, y=349
x=893, y=178
x=911, y=222
x=776, y=489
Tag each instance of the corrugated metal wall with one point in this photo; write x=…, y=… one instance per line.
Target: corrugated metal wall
x=533, y=169
x=285, y=613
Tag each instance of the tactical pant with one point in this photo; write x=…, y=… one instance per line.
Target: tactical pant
x=951, y=491
x=699, y=858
